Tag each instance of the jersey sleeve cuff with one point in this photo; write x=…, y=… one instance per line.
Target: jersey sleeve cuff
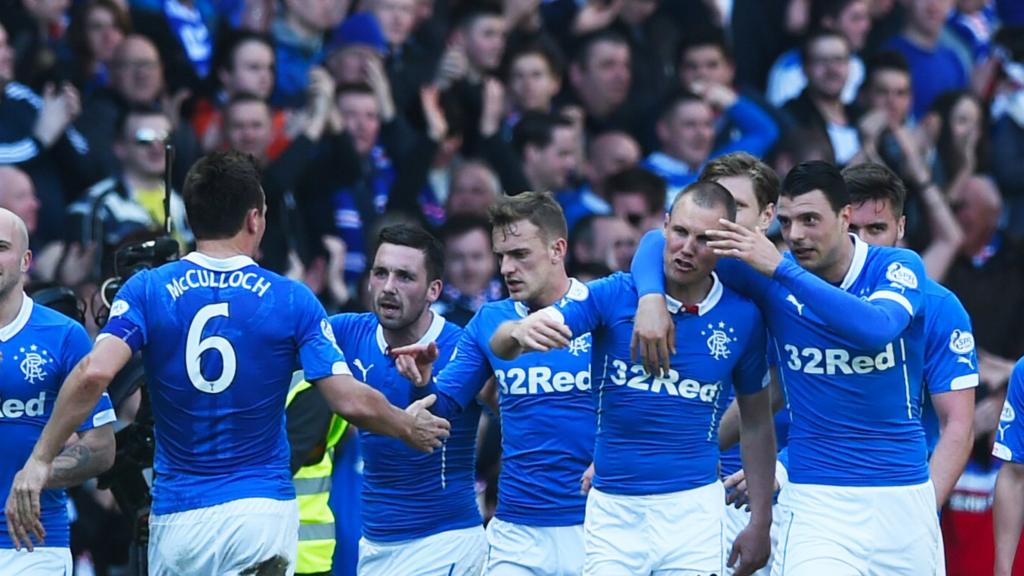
x=1003, y=452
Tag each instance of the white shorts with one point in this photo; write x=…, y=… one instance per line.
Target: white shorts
x=679, y=533
x=518, y=550
x=225, y=539
x=454, y=552
x=45, y=561
x=734, y=520
x=859, y=531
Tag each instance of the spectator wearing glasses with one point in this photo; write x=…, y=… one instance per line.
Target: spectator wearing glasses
x=130, y=205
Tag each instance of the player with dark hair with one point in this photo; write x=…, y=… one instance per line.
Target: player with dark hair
x=220, y=338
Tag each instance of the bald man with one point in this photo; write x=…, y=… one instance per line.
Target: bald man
x=38, y=349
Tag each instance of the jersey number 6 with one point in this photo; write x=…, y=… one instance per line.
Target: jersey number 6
x=195, y=345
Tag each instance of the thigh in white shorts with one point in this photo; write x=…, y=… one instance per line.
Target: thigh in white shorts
x=226, y=539
x=451, y=553
x=733, y=522
x=859, y=531
x=675, y=534
x=518, y=550
x=45, y=561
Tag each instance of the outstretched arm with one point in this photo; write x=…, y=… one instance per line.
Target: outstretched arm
x=76, y=400
x=538, y=332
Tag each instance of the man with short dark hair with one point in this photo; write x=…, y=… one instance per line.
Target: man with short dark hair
x=419, y=510
x=656, y=455
x=547, y=409
x=546, y=143
x=856, y=445
x=637, y=196
x=223, y=499
x=950, y=361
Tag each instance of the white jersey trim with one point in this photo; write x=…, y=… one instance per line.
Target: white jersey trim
x=437, y=324
x=964, y=382
x=705, y=305
x=860, y=256
x=897, y=298
x=19, y=322
x=219, y=264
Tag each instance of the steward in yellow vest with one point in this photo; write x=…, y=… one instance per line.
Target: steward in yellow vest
x=313, y=433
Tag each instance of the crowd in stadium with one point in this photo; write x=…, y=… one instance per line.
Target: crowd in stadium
x=371, y=121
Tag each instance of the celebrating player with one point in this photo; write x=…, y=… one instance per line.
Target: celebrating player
x=38, y=349
x=220, y=339
x=656, y=505
x=845, y=320
x=419, y=510
x=547, y=412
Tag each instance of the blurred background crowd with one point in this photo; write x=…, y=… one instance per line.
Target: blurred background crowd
x=367, y=112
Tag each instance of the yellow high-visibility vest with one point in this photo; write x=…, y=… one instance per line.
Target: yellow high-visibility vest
x=312, y=490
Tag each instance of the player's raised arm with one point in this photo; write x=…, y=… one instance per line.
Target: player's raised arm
x=367, y=408
x=654, y=333
x=76, y=400
x=538, y=332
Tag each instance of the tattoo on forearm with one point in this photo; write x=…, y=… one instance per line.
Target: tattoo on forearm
x=71, y=466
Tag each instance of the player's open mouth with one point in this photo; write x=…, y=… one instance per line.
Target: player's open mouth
x=802, y=253
x=684, y=265
x=388, y=307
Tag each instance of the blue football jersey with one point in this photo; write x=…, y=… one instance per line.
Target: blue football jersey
x=660, y=434
x=408, y=494
x=220, y=340
x=855, y=412
x=1009, y=444
x=547, y=416
x=38, y=350
x=950, y=360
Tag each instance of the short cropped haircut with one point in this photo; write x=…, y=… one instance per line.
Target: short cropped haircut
x=641, y=180
x=537, y=208
x=814, y=37
x=712, y=37
x=814, y=175
x=585, y=47
x=765, y=181
x=219, y=191
x=887, y=60
x=416, y=237
x=674, y=101
x=537, y=129
x=709, y=195
x=875, y=182
x=463, y=224
x=546, y=49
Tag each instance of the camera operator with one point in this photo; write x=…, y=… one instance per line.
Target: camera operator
x=38, y=349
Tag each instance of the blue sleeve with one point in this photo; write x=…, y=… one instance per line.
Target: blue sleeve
x=751, y=372
x=887, y=311
x=758, y=131
x=582, y=312
x=127, y=313
x=341, y=326
x=460, y=381
x=76, y=346
x=950, y=358
x=1009, y=444
x=648, y=266
x=318, y=350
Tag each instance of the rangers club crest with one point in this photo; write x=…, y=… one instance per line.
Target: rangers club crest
x=719, y=338
x=33, y=363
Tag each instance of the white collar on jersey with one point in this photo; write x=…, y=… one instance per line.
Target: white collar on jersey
x=12, y=329
x=436, y=326
x=860, y=255
x=219, y=264
x=577, y=291
x=705, y=305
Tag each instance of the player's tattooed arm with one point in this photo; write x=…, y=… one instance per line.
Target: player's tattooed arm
x=88, y=456
x=538, y=332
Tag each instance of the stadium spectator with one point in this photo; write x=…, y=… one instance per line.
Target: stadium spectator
x=637, y=196
x=298, y=39
x=185, y=32
x=357, y=41
x=601, y=79
x=686, y=132
x=602, y=241
x=607, y=153
x=470, y=270
x=935, y=67
x=819, y=108
x=96, y=29
x=124, y=207
x=851, y=19
x=474, y=189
